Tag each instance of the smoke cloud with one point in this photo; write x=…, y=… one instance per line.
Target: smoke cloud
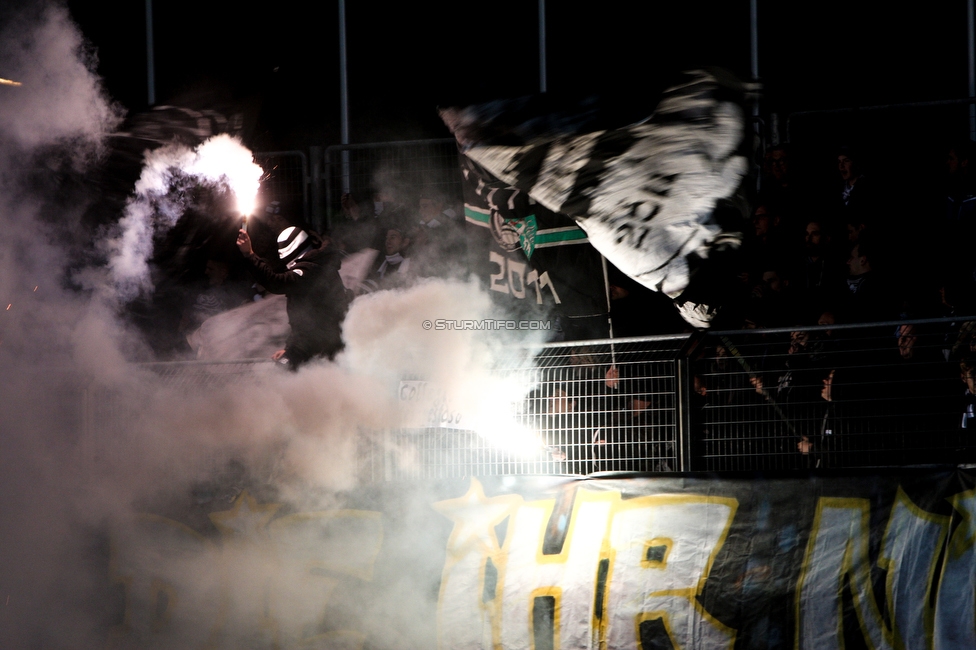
x=89, y=440
x=159, y=201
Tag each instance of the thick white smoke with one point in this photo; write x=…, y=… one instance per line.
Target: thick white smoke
x=222, y=162
x=59, y=99
x=88, y=439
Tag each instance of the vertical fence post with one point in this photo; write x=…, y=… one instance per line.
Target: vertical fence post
x=316, y=182
x=327, y=179
x=343, y=95
x=684, y=386
x=86, y=445
x=150, y=57
x=971, y=51
x=543, y=82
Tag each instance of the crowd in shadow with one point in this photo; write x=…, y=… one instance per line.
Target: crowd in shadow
x=796, y=377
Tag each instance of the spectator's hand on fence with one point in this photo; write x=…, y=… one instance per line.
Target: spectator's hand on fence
x=278, y=355
x=639, y=404
x=612, y=377
x=244, y=242
x=757, y=383
x=804, y=446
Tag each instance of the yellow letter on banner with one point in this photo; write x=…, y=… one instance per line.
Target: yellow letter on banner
x=568, y=578
x=466, y=613
x=909, y=553
x=838, y=547
x=955, y=610
x=661, y=551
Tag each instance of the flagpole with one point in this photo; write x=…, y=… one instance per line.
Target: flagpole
x=542, y=46
x=606, y=288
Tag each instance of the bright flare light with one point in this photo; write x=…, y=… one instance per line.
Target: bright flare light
x=494, y=419
x=223, y=158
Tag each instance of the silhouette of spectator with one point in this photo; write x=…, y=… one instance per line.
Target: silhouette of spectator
x=763, y=247
x=388, y=207
x=821, y=276
x=357, y=228
x=858, y=427
x=433, y=211
x=776, y=166
x=218, y=296
x=967, y=372
x=438, y=245
x=774, y=293
x=780, y=190
x=856, y=226
x=869, y=298
x=394, y=267
x=556, y=413
x=778, y=186
x=856, y=191
x=635, y=310
x=820, y=445
x=918, y=392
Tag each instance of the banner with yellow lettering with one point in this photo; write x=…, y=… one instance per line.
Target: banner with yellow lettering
x=809, y=562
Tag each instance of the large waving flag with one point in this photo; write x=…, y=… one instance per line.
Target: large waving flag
x=642, y=192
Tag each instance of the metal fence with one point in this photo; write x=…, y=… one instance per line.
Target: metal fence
x=585, y=407
x=890, y=394
x=286, y=180
x=886, y=394
x=105, y=416
x=404, y=168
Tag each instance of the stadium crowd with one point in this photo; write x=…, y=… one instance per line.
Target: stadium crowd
x=795, y=376
x=816, y=258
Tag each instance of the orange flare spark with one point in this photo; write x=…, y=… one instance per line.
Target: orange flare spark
x=8, y=82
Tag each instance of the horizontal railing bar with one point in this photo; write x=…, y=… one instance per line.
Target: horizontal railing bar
x=843, y=326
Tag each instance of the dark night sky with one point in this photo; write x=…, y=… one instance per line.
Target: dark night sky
x=405, y=59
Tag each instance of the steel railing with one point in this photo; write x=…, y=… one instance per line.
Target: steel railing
x=883, y=394
x=397, y=167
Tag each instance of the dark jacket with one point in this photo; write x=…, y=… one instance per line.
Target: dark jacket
x=317, y=300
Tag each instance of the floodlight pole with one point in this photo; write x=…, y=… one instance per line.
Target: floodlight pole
x=343, y=96
x=971, y=42
x=150, y=56
x=754, y=55
x=542, y=46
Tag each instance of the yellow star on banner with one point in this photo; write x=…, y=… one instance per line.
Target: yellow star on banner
x=475, y=517
x=246, y=519
x=965, y=535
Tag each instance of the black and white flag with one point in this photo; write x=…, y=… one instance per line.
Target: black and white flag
x=644, y=192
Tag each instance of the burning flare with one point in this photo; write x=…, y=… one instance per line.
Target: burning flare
x=220, y=161
x=223, y=158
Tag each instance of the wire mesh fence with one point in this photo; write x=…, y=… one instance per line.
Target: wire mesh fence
x=405, y=169
x=579, y=408
x=285, y=180
x=824, y=397
x=606, y=406
x=889, y=394
x=108, y=415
